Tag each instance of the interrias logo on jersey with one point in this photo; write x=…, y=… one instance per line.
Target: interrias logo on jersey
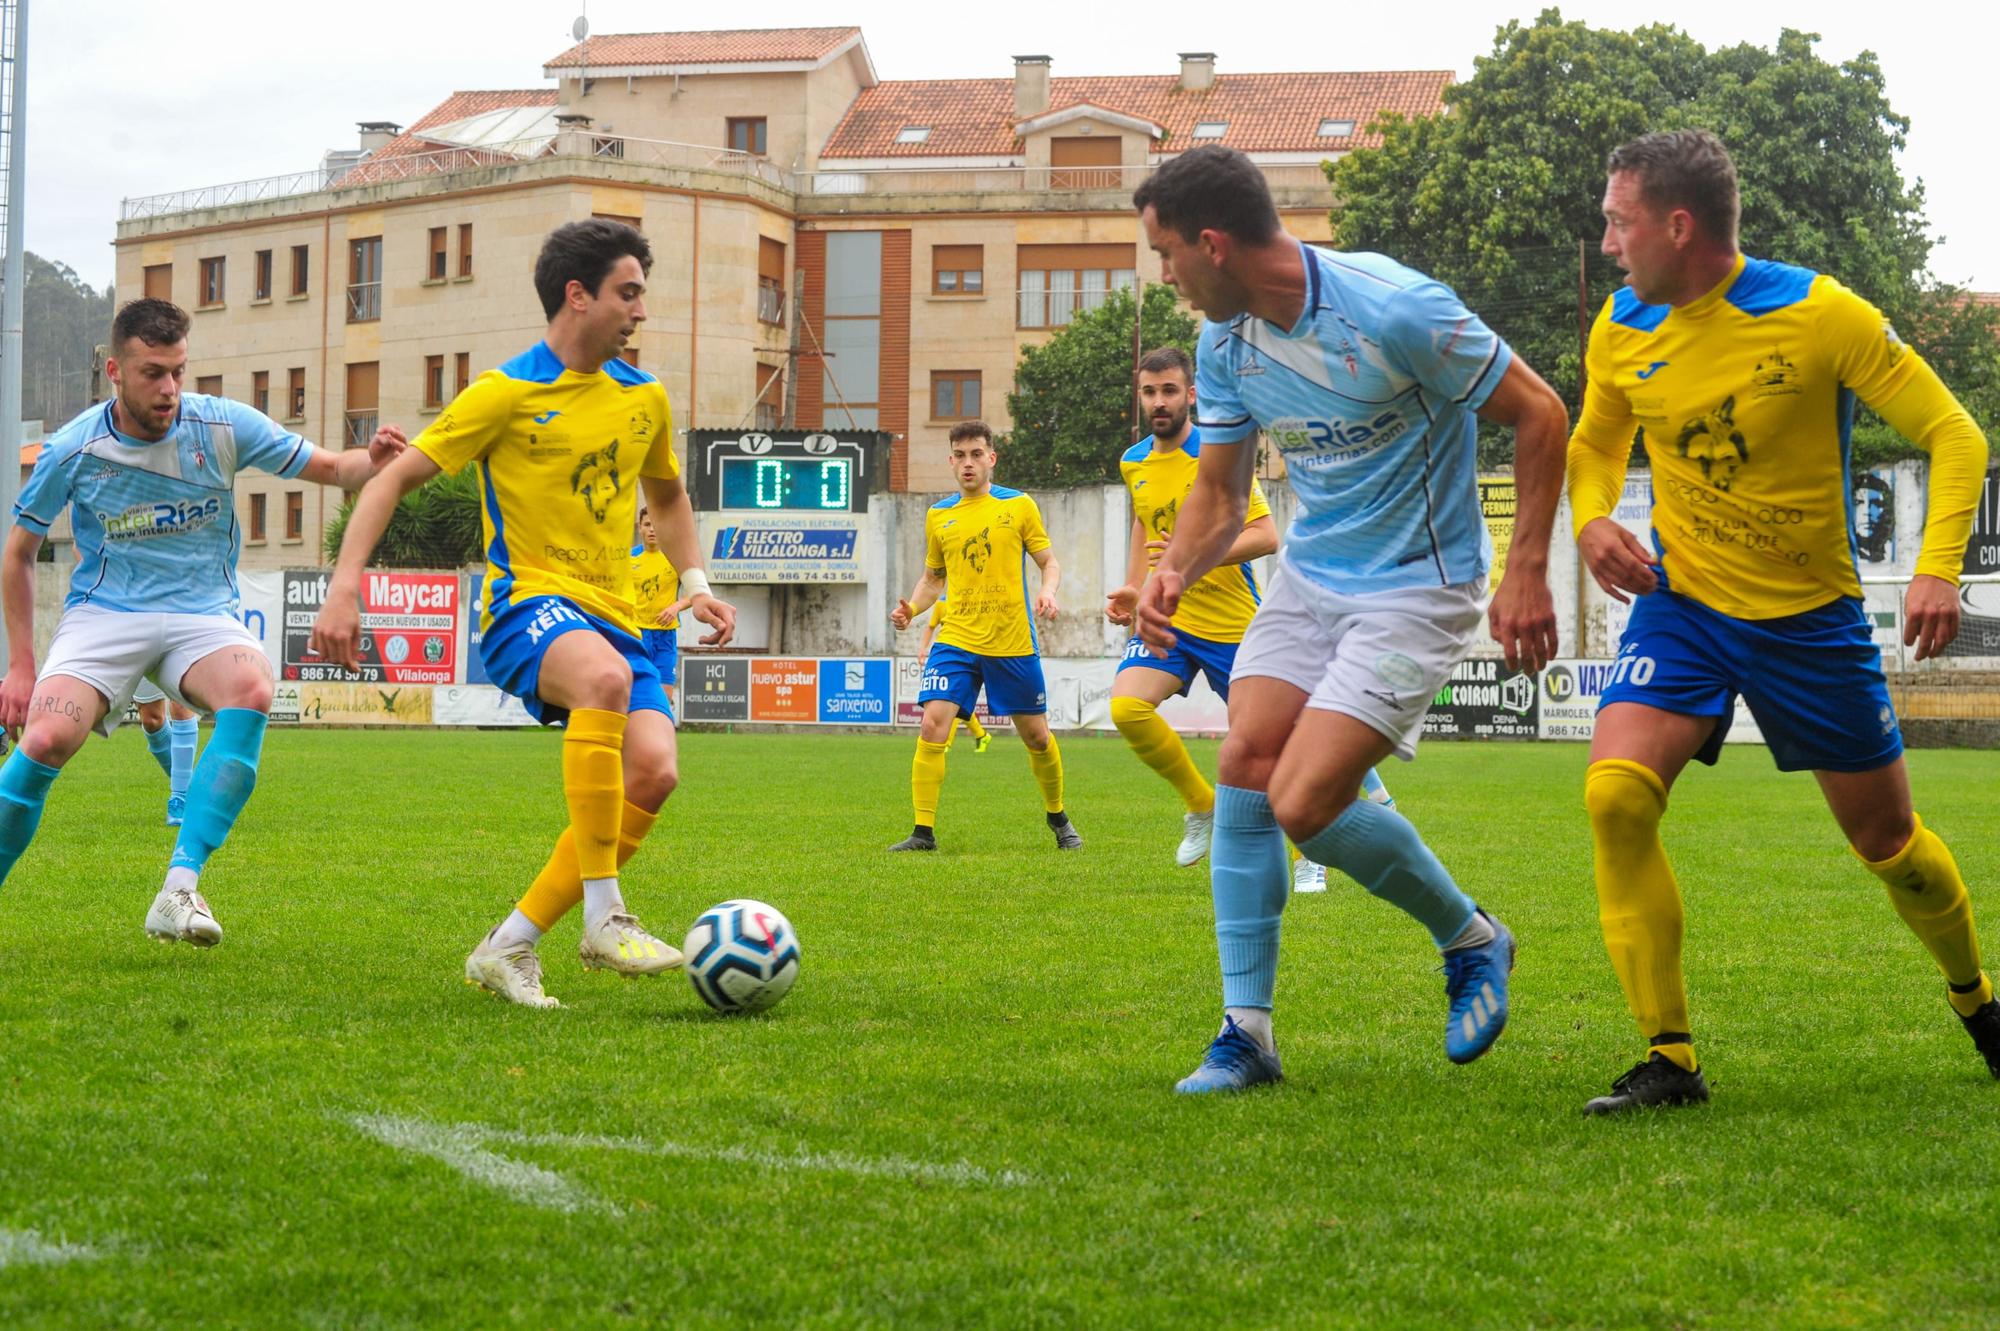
x=141, y=521
x=1296, y=435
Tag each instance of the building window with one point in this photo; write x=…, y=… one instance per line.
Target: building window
x=295, y=393
x=1336, y=129
x=1211, y=129
x=257, y=506
x=433, y=382
x=300, y=270
x=1059, y=282
x=295, y=515
x=440, y=261
x=263, y=283
x=462, y=373
x=364, y=280
x=958, y=270
x=746, y=134
x=209, y=385
x=770, y=280
x=954, y=394
x=160, y=282
x=363, y=388
x=913, y=134
x=1086, y=162
x=212, y=273
x=260, y=391
x=465, y=249
x=770, y=397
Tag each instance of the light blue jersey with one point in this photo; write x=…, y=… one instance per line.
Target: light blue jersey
x=155, y=523
x=1370, y=398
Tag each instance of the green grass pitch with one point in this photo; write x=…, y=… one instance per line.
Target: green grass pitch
x=962, y=1115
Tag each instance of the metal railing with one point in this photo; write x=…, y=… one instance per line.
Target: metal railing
x=364, y=302
x=361, y=426
x=770, y=302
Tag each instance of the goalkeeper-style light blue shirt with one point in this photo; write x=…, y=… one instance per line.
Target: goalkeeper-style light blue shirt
x=1371, y=398
x=155, y=523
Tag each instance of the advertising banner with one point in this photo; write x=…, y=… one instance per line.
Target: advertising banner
x=857, y=692
x=715, y=688
x=1982, y=553
x=346, y=703
x=1483, y=701
x=784, y=688
x=261, y=607
x=1496, y=504
x=409, y=628
x=476, y=705
x=794, y=547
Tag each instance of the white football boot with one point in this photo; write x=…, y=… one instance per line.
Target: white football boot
x=514, y=972
x=1199, y=828
x=1307, y=876
x=619, y=943
x=181, y=915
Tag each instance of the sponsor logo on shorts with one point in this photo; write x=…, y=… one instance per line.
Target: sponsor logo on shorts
x=1398, y=670
x=1386, y=698
x=551, y=613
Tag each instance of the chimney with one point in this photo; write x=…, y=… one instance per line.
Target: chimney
x=1197, y=70
x=377, y=134
x=1031, y=85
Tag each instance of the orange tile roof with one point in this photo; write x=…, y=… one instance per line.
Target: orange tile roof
x=455, y=107
x=1266, y=112
x=730, y=47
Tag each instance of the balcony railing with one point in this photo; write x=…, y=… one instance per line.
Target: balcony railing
x=361, y=427
x=364, y=302
x=770, y=303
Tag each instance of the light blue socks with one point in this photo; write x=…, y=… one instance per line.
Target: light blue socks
x=186, y=735
x=221, y=785
x=159, y=743
x=1379, y=849
x=24, y=786
x=1250, y=876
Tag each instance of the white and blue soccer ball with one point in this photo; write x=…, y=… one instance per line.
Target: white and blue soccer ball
x=742, y=956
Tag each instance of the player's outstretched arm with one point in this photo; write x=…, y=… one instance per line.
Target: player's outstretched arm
x=1210, y=522
x=1522, y=615
x=336, y=634
x=673, y=519
x=17, y=593
x=921, y=598
x=352, y=468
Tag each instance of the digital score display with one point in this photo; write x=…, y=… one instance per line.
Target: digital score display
x=788, y=484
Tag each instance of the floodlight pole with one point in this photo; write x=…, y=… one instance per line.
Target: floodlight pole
x=12, y=275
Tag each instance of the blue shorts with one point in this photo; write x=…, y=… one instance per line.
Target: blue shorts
x=1813, y=680
x=513, y=645
x=663, y=647
x=1190, y=656
x=1014, y=684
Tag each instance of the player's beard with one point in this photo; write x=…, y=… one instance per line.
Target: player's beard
x=1174, y=422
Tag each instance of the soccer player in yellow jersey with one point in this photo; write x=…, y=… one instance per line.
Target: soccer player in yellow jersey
x=1213, y=614
x=656, y=587
x=565, y=435
x=975, y=542
x=1743, y=375
x=982, y=738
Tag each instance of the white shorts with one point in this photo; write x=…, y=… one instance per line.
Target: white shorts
x=147, y=692
x=1379, y=658
x=114, y=650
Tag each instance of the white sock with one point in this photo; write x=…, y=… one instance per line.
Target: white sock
x=1254, y=1022
x=1478, y=932
x=600, y=898
x=181, y=876
x=517, y=928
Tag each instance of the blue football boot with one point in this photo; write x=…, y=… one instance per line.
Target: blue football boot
x=1234, y=1062
x=1475, y=980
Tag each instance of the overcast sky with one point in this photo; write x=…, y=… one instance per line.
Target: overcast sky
x=130, y=99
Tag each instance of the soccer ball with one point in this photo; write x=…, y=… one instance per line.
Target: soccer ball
x=742, y=956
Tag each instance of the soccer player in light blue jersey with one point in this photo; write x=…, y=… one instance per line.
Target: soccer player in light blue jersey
x=148, y=477
x=1367, y=377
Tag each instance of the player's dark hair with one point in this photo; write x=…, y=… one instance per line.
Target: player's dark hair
x=1684, y=168
x=585, y=252
x=972, y=430
x=1211, y=188
x=1161, y=359
x=157, y=323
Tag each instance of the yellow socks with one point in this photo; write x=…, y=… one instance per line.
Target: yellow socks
x=1161, y=749
x=594, y=784
x=559, y=886
x=973, y=728
x=927, y=780
x=1049, y=775
x=1926, y=890
x=1638, y=902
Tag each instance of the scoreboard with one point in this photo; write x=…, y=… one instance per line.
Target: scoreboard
x=786, y=506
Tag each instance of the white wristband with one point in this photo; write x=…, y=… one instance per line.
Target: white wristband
x=694, y=582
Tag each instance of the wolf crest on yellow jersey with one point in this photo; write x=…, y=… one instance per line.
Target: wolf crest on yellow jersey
x=560, y=455
x=1219, y=606
x=1746, y=397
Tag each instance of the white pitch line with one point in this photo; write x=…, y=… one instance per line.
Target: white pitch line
x=459, y=1147
x=24, y=1247
x=959, y=1172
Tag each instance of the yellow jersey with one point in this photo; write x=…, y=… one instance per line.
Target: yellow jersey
x=981, y=545
x=1219, y=606
x=1746, y=400
x=560, y=455
x=656, y=584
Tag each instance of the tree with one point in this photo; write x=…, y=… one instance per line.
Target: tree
x=1072, y=398
x=1495, y=197
x=434, y=526
x=64, y=320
